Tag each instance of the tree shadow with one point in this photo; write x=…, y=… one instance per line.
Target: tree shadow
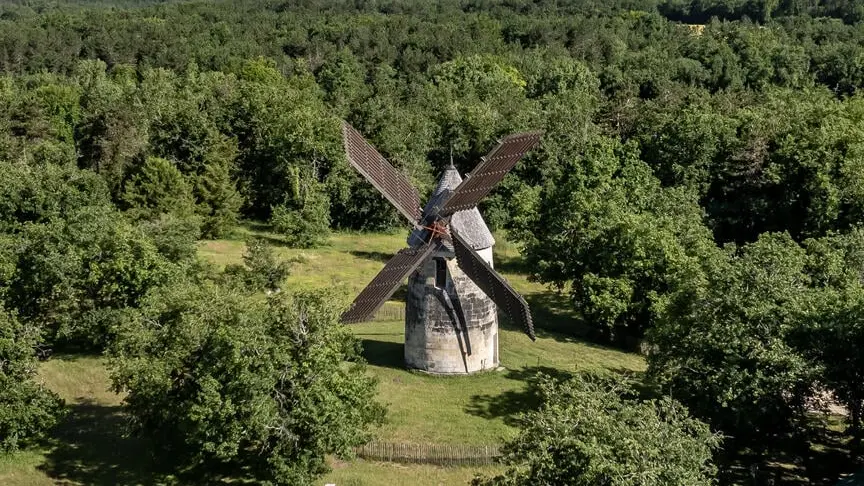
x=385, y=354
x=643, y=388
x=377, y=256
x=558, y=333
x=822, y=457
x=830, y=459
x=511, y=264
x=258, y=226
x=400, y=295
x=553, y=311
x=271, y=240
x=853, y=479
x=511, y=403
x=89, y=447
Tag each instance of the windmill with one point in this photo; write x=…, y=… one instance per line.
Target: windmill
x=451, y=321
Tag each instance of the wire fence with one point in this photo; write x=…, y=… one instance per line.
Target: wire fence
x=438, y=454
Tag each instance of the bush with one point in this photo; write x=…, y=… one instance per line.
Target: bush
x=220, y=201
x=587, y=433
x=260, y=270
x=305, y=226
x=70, y=275
x=225, y=382
x=27, y=409
x=158, y=187
x=34, y=195
x=175, y=237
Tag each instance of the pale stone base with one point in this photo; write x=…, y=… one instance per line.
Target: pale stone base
x=449, y=341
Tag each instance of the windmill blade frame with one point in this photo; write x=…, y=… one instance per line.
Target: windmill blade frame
x=490, y=171
x=496, y=288
x=386, y=282
x=390, y=182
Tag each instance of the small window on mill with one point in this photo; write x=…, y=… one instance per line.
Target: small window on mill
x=440, y=273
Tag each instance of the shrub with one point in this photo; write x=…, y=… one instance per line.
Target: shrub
x=306, y=225
x=587, y=433
x=70, y=274
x=261, y=270
x=226, y=383
x=27, y=409
x=158, y=187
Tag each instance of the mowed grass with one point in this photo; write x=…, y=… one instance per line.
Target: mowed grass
x=478, y=409
x=90, y=447
x=347, y=259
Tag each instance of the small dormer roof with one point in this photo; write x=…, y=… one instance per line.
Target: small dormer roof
x=468, y=223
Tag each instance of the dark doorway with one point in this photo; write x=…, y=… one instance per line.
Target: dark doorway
x=440, y=273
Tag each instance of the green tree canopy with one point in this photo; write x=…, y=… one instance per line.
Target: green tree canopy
x=724, y=345
x=222, y=381
x=613, y=238
x=27, y=409
x=590, y=430
x=158, y=188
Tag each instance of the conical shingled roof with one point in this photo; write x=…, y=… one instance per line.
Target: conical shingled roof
x=469, y=224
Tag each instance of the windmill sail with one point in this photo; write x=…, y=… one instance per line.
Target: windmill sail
x=490, y=171
x=495, y=287
x=386, y=282
x=375, y=168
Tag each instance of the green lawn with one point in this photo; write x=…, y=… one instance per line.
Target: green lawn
x=89, y=447
x=475, y=409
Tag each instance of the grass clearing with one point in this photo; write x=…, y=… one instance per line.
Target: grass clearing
x=477, y=409
x=89, y=447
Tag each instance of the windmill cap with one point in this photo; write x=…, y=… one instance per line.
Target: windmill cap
x=468, y=223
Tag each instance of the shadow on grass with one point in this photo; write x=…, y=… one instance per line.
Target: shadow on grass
x=643, y=388
x=89, y=447
x=830, y=459
x=386, y=354
x=257, y=226
x=511, y=264
x=509, y=404
x=376, y=256
x=821, y=457
x=400, y=294
x=554, y=312
x=271, y=240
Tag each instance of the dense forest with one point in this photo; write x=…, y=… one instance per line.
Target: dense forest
x=698, y=193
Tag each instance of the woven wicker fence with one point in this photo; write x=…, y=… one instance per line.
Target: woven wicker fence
x=438, y=454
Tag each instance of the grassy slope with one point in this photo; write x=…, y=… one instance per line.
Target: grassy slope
x=475, y=409
x=89, y=448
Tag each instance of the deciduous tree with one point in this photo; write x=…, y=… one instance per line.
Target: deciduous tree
x=227, y=384
x=591, y=430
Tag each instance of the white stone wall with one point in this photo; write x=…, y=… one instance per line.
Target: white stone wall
x=433, y=342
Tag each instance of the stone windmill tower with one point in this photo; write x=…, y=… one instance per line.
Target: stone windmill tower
x=451, y=322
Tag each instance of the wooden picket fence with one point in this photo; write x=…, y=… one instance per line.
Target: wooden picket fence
x=438, y=454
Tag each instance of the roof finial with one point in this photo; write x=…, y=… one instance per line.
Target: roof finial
x=451, y=157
